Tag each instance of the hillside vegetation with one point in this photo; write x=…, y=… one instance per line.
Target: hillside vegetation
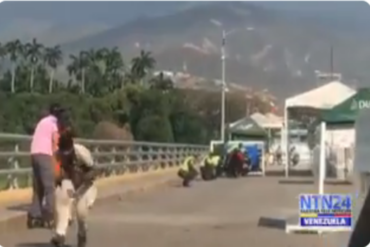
x=265, y=47
x=107, y=96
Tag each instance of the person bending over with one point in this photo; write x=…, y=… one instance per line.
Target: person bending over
x=209, y=166
x=75, y=188
x=187, y=171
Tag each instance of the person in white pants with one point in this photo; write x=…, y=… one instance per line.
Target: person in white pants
x=76, y=190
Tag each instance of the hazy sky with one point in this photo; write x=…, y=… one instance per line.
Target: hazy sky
x=51, y=21
x=119, y=12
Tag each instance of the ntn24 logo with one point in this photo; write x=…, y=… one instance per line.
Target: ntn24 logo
x=325, y=203
x=326, y=222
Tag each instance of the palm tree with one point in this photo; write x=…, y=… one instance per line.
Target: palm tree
x=77, y=68
x=105, y=67
x=142, y=64
x=114, y=61
x=129, y=79
x=13, y=49
x=100, y=54
x=95, y=70
x=53, y=57
x=92, y=56
x=114, y=68
x=33, y=53
x=2, y=54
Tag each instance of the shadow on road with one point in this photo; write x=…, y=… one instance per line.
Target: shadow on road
x=35, y=244
x=274, y=223
x=311, y=181
x=21, y=207
x=295, y=181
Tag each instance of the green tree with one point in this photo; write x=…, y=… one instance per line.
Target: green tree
x=141, y=65
x=33, y=53
x=154, y=128
x=153, y=111
x=2, y=55
x=114, y=68
x=53, y=57
x=14, y=50
x=188, y=128
x=77, y=68
x=95, y=72
x=188, y=125
x=23, y=75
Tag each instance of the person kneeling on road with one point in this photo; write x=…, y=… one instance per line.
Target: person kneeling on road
x=75, y=188
x=187, y=171
x=209, y=167
x=236, y=162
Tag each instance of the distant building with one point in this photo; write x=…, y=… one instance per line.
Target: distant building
x=165, y=73
x=174, y=76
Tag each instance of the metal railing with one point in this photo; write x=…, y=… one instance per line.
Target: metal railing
x=112, y=157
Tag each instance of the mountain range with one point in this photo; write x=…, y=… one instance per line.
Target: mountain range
x=277, y=46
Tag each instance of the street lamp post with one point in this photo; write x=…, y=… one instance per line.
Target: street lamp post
x=223, y=81
x=223, y=71
x=223, y=90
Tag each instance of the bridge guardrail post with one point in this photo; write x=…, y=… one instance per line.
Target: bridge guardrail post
x=170, y=157
x=144, y=158
x=13, y=163
x=113, y=171
x=161, y=157
x=112, y=157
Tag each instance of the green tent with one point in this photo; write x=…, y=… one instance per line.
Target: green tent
x=246, y=128
x=347, y=110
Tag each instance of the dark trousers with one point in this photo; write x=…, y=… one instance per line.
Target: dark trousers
x=234, y=167
x=187, y=176
x=43, y=186
x=361, y=210
x=360, y=234
x=208, y=172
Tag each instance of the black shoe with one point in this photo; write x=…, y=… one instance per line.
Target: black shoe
x=185, y=183
x=34, y=222
x=58, y=241
x=81, y=240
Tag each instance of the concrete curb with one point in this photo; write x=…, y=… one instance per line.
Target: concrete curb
x=158, y=184
x=164, y=177
x=17, y=196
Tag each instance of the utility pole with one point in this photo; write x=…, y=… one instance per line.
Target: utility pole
x=331, y=63
x=223, y=72
x=223, y=89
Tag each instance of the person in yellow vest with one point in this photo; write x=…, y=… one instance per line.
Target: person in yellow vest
x=209, y=166
x=187, y=170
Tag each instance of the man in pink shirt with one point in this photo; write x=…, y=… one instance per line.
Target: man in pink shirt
x=43, y=168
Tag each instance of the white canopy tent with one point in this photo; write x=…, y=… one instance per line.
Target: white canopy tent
x=269, y=120
x=324, y=97
x=259, y=118
x=274, y=121
x=320, y=98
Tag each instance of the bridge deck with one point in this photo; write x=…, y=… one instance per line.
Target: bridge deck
x=214, y=214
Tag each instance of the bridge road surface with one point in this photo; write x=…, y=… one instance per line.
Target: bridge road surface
x=222, y=213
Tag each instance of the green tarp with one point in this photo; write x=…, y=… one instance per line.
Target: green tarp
x=247, y=127
x=348, y=109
